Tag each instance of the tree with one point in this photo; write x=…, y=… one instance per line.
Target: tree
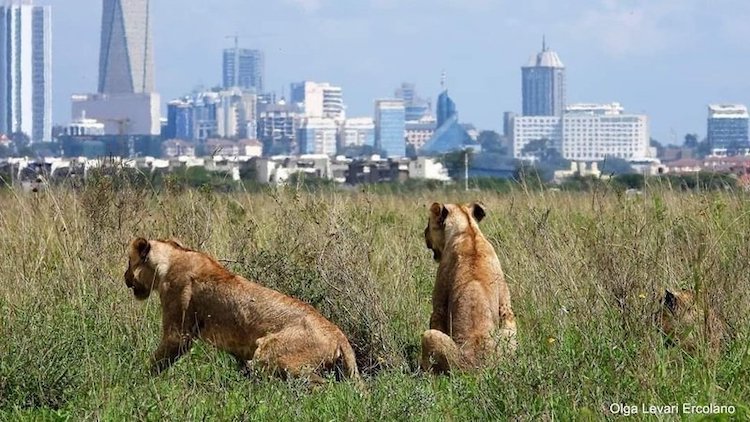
x=614, y=165
x=545, y=153
x=411, y=151
x=704, y=148
x=491, y=141
x=454, y=162
x=21, y=143
x=691, y=140
x=659, y=147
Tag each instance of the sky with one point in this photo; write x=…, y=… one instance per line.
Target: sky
x=666, y=58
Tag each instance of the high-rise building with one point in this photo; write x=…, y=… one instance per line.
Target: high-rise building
x=317, y=135
x=586, y=132
x=243, y=68
x=449, y=135
x=415, y=107
x=126, y=57
x=179, y=120
x=727, y=126
x=126, y=102
x=277, y=126
x=318, y=99
x=357, y=132
x=543, y=84
x=220, y=113
x=390, y=130
x=25, y=70
x=446, y=108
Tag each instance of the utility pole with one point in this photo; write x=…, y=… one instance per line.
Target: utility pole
x=466, y=169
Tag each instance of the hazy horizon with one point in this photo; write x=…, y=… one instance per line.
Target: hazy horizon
x=668, y=60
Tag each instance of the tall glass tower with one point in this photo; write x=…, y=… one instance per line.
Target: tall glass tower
x=126, y=59
x=543, y=84
x=390, y=127
x=25, y=70
x=244, y=68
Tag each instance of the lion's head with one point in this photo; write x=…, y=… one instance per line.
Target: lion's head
x=448, y=219
x=140, y=275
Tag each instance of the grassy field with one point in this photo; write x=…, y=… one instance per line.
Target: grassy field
x=586, y=272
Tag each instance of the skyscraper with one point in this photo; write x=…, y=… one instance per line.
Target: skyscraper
x=728, y=126
x=416, y=107
x=543, y=84
x=126, y=59
x=249, y=74
x=25, y=70
x=126, y=102
x=390, y=131
x=449, y=135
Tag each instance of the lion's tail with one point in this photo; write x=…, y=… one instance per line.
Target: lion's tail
x=350, y=360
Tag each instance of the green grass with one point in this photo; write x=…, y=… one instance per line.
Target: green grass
x=586, y=272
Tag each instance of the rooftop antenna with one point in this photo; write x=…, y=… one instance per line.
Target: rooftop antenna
x=443, y=80
x=544, y=43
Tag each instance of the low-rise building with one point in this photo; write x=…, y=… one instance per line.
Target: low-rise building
x=177, y=148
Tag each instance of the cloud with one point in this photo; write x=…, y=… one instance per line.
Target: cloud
x=638, y=27
x=309, y=6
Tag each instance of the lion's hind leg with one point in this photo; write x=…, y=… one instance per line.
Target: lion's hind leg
x=440, y=353
x=291, y=353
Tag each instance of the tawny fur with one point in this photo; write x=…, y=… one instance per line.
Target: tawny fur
x=200, y=299
x=472, y=323
x=687, y=322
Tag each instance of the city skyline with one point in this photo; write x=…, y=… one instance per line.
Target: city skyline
x=654, y=59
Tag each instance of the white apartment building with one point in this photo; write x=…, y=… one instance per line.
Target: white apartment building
x=131, y=114
x=358, y=131
x=586, y=132
x=419, y=132
x=85, y=127
x=317, y=135
x=235, y=113
x=319, y=99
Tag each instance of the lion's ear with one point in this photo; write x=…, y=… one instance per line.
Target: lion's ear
x=670, y=300
x=439, y=211
x=435, y=209
x=477, y=210
x=142, y=246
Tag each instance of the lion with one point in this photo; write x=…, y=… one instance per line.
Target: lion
x=472, y=321
x=200, y=299
x=686, y=321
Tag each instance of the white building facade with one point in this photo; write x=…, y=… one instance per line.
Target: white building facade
x=26, y=69
x=586, y=132
x=317, y=135
x=358, y=131
x=319, y=99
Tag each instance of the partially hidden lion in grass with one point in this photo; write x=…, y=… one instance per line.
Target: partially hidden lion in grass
x=200, y=299
x=687, y=322
x=472, y=322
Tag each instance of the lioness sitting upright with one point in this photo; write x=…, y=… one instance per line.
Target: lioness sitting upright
x=472, y=320
x=200, y=299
